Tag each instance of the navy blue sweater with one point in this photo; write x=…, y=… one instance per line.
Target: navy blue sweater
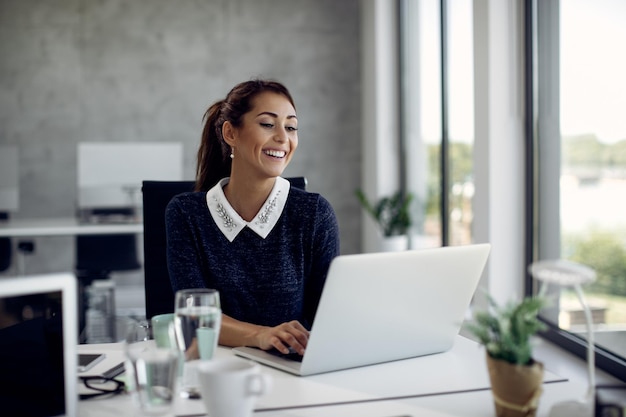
x=263, y=281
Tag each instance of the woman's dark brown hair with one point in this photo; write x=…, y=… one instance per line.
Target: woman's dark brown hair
x=214, y=161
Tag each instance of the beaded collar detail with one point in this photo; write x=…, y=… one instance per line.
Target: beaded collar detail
x=229, y=221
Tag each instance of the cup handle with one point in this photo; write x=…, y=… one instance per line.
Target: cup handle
x=258, y=384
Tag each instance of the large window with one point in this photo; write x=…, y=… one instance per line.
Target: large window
x=438, y=117
x=581, y=154
x=576, y=188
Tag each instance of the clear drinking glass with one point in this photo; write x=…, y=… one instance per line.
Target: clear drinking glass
x=197, y=322
x=152, y=372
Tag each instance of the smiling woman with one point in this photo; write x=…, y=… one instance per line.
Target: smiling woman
x=265, y=246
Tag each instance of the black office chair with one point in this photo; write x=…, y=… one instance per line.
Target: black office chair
x=158, y=290
x=156, y=196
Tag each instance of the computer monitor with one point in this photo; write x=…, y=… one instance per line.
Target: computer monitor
x=38, y=338
x=109, y=174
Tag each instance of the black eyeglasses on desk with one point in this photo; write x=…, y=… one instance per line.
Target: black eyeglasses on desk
x=102, y=386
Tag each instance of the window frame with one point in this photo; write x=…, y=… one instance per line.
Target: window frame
x=605, y=360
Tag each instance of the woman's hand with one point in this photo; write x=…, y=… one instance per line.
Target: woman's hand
x=283, y=337
x=290, y=335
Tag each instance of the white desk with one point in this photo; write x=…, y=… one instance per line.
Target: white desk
x=454, y=383
x=63, y=226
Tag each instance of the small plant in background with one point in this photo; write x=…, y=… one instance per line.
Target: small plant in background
x=391, y=213
x=506, y=331
x=515, y=376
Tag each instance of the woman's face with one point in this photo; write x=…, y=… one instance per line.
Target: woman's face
x=267, y=139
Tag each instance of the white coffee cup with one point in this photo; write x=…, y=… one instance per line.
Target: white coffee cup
x=230, y=386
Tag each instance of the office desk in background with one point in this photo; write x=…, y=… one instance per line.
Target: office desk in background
x=454, y=383
x=58, y=227
x=63, y=226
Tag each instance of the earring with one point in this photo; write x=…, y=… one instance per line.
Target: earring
x=232, y=155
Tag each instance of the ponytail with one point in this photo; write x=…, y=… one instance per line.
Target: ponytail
x=213, y=161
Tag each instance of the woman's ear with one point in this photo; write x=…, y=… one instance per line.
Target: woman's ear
x=228, y=133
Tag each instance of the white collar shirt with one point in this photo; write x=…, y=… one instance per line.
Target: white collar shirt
x=230, y=222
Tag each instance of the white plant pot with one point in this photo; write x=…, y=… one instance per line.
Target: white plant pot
x=394, y=243
x=418, y=241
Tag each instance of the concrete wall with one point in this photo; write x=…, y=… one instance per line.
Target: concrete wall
x=146, y=70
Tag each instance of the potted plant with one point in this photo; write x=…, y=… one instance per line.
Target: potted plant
x=506, y=332
x=391, y=213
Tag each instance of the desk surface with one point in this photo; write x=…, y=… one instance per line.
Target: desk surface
x=454, y=383
x=63, y=226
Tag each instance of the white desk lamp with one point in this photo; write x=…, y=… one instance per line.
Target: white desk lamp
x=571, y=274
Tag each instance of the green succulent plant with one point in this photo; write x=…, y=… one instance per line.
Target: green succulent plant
x=506, y=331
x=391, y=213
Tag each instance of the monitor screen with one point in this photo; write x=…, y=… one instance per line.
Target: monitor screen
x=32, y=353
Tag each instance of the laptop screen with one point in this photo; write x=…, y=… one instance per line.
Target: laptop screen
x=32, y=349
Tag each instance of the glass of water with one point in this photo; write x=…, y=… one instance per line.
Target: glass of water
x=152, y=372
x=197, y=322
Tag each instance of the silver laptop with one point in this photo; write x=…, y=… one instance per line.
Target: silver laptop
x=381, y=307
x=38, y=338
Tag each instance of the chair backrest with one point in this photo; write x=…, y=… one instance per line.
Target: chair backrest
x=158, y=290
x=156, y=196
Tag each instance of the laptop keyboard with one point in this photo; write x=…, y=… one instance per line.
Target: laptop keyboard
x=293, y=356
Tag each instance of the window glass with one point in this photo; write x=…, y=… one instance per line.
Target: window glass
x=582, y=166
x=593, y=163
x=461, y=120
x=423, y=101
